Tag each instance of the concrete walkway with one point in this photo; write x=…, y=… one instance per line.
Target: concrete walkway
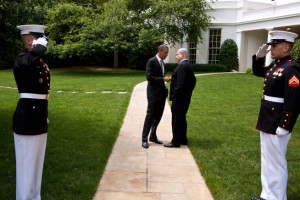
x=157, y=173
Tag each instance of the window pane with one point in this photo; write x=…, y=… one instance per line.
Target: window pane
x=214, y=45
x=192, y=52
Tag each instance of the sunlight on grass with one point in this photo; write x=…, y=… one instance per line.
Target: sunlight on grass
x=82, y=130
x=84, y=124
x=223, y=138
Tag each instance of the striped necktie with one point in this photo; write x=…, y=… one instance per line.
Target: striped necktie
x=162, y=67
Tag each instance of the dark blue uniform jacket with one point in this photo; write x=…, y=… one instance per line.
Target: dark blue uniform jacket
x=32, y=76
x=281, y=80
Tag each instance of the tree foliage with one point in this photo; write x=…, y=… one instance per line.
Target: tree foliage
x=181, y=20
x=68, y=30
x=91, y=30
x=139, y=26
x=229, y=55
x=13, y=13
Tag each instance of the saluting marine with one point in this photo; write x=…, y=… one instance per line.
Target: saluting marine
x=30, y=120
x=279, y=111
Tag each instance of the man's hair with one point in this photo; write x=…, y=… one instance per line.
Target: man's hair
x=184, y=52
x=162, y=47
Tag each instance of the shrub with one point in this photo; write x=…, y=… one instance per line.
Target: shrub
x=209, y=68
x=199, y=67
x=295, y=53
x=249, y=70
x=169, y=67
x=229, y=55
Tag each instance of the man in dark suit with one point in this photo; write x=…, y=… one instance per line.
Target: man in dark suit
x=156, y=94
x=30, y=120
x=278, y=113
x=182, y=86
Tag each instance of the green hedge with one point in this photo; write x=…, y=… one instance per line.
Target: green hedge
x=229, y=55
x=295, y=53
x=199, y=67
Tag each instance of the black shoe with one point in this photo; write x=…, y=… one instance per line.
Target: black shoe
x=157, y=141
x=184, y=143
x=171, y=145
x=256, y=198
x=145, y=145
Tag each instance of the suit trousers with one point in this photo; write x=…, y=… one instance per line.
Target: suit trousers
x=30, y=153
x=179, y=125
x=154, y=113
x=274, y=172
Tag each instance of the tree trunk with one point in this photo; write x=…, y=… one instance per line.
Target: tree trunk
x=116, y=58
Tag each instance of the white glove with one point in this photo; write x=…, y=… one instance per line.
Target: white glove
x=281, y=131
x=41, y=41
x=34, y=42
x=262, y=51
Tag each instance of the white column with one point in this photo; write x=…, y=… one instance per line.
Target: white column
x=268, y=56
x=240, y=42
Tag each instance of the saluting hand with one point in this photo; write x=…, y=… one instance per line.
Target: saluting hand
x=42, y=41
x=262, y=51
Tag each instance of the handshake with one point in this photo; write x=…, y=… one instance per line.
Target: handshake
x=41, y=41
x=167, y=79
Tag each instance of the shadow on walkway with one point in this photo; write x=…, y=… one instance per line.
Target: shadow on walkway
x=157, y=173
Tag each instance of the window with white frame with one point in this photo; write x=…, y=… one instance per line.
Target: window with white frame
x=192, y=52
x=214, y=45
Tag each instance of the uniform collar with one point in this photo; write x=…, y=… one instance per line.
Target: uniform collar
x=283, y=59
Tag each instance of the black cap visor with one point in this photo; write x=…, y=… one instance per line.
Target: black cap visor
x=38, y=35
x=277, y=41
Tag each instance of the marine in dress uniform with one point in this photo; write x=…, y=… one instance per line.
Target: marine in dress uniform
x=157, y=93
x=30, y=120
x=278, y=113
x=181, y=89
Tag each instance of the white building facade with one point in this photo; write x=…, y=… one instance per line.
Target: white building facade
x=248, y=23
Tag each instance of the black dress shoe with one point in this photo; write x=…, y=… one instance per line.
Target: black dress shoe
x=184, y=143
x=171, y=145
x=145, y=145
x=157, y=141
x=256, y=198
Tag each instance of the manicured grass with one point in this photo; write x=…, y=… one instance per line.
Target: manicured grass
x=83, y=128
x=224, y=141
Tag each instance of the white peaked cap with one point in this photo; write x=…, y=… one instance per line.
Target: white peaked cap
x=31, y=28
x=282, y=36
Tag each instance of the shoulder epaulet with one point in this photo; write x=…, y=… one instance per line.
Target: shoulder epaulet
x=293, y=62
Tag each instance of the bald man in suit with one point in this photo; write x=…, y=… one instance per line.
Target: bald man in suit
x=182, y=86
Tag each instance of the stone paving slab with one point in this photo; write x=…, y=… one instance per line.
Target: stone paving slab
x=157, y=173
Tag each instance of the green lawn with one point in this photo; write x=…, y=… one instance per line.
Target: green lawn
x=82, y=130
x=84, y=124
x=224, y=141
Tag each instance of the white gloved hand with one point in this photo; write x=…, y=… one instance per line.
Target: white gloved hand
x=34, y=42
x=262, y=51
x=41, y=41
x=281, y=131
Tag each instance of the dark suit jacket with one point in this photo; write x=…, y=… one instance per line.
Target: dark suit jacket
x=183, y=82
x=156, y=89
